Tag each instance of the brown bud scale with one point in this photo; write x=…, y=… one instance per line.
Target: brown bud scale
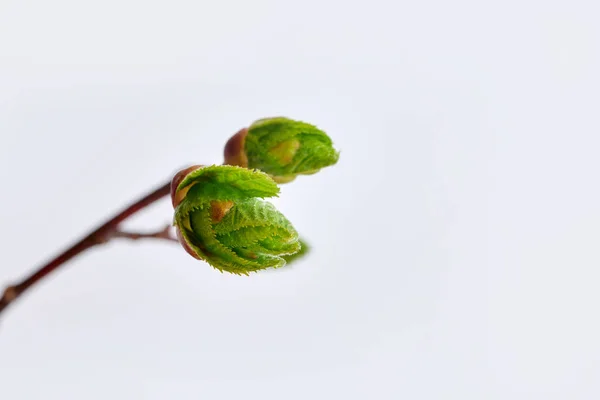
x=234, y=152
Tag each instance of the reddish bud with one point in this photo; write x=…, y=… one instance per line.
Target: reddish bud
x=177, y=196
x=184, y=244
x=234, y=153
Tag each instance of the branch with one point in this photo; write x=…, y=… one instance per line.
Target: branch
x=100, y=235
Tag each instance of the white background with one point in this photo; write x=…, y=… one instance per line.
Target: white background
x=455, y=245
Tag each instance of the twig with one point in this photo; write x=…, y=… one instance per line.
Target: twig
x=100, y=235
x=164, y=234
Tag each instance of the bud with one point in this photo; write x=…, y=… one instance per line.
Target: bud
x=281, y=147
x=221, y=218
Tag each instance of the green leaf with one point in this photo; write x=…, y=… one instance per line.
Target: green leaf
x=285, y=148
x=223, y=220
x=226, y=182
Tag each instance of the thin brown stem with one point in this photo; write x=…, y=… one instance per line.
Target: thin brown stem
x=100, y=235
x=163, y=234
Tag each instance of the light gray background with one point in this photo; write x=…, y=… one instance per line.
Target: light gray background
x=455, y=244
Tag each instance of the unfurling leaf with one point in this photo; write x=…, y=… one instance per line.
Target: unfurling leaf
x=221, y=218
x=281, y=147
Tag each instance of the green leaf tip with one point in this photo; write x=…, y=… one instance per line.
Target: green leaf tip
x=281, y=147
x=221, y=218
x=304, y=250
